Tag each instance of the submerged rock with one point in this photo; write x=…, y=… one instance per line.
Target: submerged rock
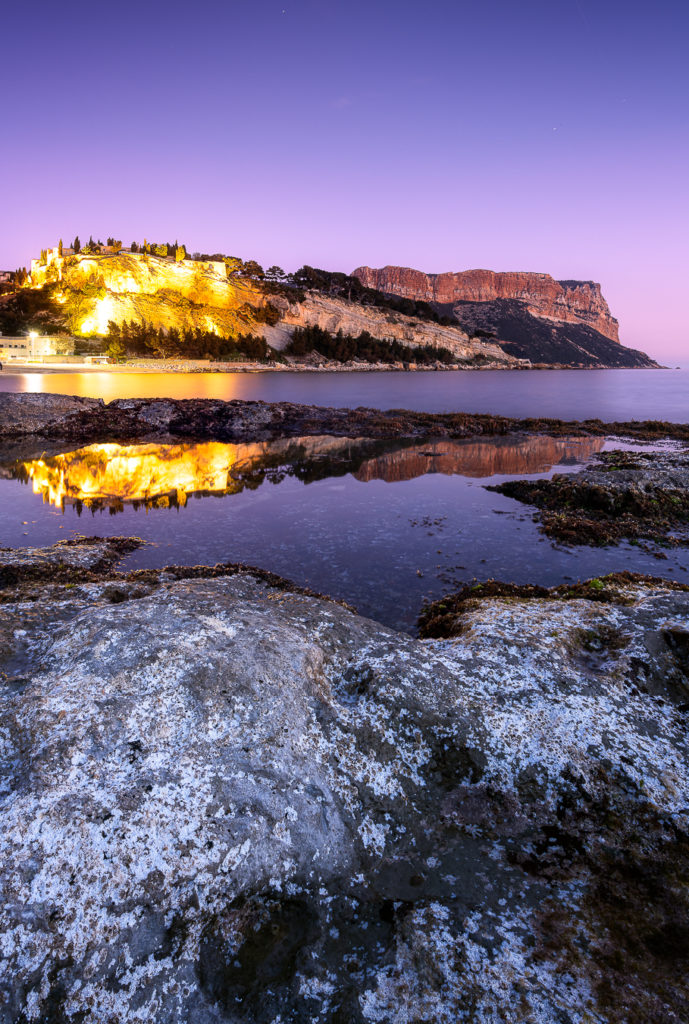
x=225, y=801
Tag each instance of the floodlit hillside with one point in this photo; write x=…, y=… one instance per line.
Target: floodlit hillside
x=88, y=291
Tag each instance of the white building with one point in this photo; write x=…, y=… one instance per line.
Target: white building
x=34, y=346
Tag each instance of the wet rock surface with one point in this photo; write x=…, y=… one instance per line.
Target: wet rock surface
x=632, y=495
x=86, y=420
x=223, y=800
x=80, y=557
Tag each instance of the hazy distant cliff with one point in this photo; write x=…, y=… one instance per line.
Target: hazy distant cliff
x=571, y=301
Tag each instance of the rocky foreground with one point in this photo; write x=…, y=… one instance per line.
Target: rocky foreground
x=227, y=800
x=86, y=420
x=621, y=495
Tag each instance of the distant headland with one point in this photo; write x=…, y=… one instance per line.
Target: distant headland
x=156, y=300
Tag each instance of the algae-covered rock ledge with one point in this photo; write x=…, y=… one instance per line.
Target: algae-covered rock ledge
x=225, y=799
x=637, y=495
x=84, y=420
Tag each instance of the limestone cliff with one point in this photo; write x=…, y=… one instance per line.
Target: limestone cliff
x=88, y=291
x=570, y=301
x=499, y=319
x=530, y=316
x=93, y=289
x=335, y=314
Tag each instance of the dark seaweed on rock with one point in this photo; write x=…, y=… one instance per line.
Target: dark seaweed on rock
x=80, y=558
x=623, y=495
x=443, y=618
x=87, y=420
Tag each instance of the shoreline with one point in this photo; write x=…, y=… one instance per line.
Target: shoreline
x=197, y=367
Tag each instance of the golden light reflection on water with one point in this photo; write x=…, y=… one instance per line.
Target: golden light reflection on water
x=154, y=474
x=114, y=384
x=164, y=475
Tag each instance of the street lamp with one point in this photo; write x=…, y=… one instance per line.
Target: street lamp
x=33, y=335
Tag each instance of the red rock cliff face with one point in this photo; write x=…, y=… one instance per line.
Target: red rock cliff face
x=573, y=301
x=497, y=456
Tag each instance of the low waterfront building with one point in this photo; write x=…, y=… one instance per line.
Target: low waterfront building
x=26, y=348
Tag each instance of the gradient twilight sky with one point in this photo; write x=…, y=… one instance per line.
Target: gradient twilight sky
x=536, y=136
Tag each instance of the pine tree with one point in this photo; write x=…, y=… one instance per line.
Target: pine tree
x=59, y=248
x=253, y=269
x=76, y=244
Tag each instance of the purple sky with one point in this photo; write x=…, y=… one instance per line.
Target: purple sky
x=513, y=136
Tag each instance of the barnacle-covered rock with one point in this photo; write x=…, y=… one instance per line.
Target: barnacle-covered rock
x=225, y=800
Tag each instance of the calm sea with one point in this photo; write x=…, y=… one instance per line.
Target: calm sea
x=385, y=526
x=565, y=394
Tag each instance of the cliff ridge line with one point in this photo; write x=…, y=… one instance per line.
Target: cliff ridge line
x=568, y=301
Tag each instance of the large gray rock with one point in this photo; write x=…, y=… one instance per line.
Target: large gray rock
x=224, y=801
x=22, y=414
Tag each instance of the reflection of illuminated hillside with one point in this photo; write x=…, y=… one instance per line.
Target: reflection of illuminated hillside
x=151, y=474
x=489, y=457
x=163, y=475
x=166, y=475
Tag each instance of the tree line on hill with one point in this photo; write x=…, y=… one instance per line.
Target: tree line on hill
x=362, y=348
x=347, y=287
x=179, y=251
x=144, y=340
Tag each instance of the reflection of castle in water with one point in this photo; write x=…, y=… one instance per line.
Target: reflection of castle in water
x=487, y=457
x=166, y=475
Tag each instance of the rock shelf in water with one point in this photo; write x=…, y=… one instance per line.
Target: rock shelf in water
x=621, y=495
x=227, y=800
x=86, y=420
